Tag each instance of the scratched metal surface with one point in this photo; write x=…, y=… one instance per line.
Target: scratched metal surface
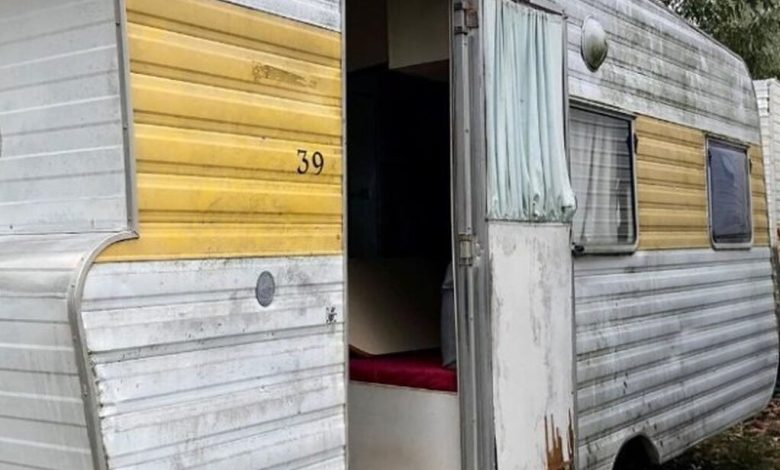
x=671, y=345
x=323, y=13
x=661, y=67
x=62, y=160
x=42, y=416
x=768, y=95
x=192, y=372
x=533, y=378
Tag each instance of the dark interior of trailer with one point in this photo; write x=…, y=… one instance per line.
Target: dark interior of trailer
x=399, y=236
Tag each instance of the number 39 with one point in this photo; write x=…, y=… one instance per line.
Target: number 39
x=317, y=162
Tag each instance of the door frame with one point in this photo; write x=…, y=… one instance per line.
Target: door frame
x=469, y=231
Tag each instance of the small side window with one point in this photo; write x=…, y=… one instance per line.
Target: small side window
x=602, y=169
x=728, y=167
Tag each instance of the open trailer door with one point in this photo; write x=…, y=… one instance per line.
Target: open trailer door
x=470, y=235
x=512, y=206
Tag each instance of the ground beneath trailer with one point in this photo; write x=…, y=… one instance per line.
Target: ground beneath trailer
x=753, y=445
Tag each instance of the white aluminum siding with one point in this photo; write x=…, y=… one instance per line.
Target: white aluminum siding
x=660, y=66
x=62, y=160
x=322, y=13
x=42, y=415
x=192, y=372
x=673, y=345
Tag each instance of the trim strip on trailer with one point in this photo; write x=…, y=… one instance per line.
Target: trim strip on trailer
x=86, y=372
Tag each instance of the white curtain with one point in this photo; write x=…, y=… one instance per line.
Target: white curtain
x=527, y=166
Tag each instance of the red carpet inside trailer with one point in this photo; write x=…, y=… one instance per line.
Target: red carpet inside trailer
x=418, y=369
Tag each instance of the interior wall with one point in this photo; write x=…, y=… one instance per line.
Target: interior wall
x=366, y=33
x=399, y=232
x=399, y=171
x=418, y=32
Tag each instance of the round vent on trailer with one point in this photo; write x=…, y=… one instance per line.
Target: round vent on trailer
x=595, y=45
x=266, y=289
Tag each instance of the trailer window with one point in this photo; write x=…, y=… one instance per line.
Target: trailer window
x=601, y=152
x=729, y=188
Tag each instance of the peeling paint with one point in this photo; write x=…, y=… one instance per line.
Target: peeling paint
x=560, y=456
x=262, y=72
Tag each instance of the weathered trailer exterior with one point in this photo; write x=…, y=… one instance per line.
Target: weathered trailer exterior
x=676, y=340
x=676, y=334
x=172, y=244
x=179, y=125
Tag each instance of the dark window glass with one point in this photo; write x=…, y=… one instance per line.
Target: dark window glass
x=729, y=194
x=602, y=176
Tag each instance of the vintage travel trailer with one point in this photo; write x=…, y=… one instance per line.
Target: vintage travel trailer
x=227, y=226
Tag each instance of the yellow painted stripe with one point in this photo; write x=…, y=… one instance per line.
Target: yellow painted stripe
x=671, y=176
x=172, y=55
x=195, y=102
x=225, y=100
x=671, y=181
x=669, y=240
x=761, y=235
x=173, y=151
x=194, y=241
x=661, y=195
x=669, y=132
x=672, y=188
x=229, y=24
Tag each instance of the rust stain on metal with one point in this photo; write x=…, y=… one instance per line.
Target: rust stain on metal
x=262, y=72
x=558, y=458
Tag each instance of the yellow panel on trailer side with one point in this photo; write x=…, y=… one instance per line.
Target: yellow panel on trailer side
x=672, y=185
x=238, y=131
x=671, y=172
x=758, y=189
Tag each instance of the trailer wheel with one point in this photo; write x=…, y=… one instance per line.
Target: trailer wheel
x=636, y=454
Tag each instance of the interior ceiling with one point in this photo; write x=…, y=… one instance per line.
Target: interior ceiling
x=409, y=36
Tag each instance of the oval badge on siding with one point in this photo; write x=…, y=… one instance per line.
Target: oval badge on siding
x=595, y=46
x=266, y=288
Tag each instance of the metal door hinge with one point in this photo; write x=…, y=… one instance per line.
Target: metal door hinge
x=466, y=17
x=465, y=249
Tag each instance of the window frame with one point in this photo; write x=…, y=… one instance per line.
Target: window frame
x=616, y=248
x=724, y=246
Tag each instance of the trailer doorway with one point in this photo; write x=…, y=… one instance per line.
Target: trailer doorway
x=403, y=402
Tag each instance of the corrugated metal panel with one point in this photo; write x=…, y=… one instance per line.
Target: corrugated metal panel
x=768, y=94
x=62, y=159
x=42, y=416
x=673, y=345
x=759, y=201
x=225, y=98
x=192, y=372
x=660, y=66
x=325, y=13
x=672, y=186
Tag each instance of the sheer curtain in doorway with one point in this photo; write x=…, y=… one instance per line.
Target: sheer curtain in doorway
x=527, y=168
